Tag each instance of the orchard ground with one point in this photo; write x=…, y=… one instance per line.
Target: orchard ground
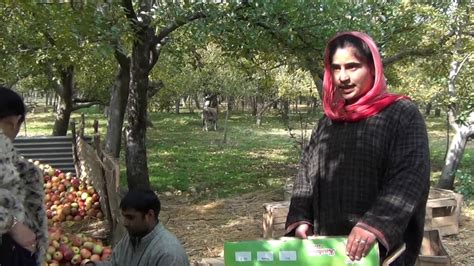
x=204, y=226
x=213, y=192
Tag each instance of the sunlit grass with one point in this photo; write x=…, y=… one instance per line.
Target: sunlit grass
x=183, y=157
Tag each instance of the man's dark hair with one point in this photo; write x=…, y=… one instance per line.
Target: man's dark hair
x=362, y=49
x=141, y=200
x=11, y=104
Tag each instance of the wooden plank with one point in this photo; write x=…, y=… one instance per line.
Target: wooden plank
x=444, y=221
x=436, y=203
x=277, y=204
x=432, y=252
x=446, y=225
x=280, y=212
x=279, y=220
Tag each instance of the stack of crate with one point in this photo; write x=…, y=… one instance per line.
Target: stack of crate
x=443, y=211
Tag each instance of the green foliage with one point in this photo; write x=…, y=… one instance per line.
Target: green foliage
x=465, y=184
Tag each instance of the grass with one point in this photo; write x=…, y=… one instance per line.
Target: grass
x=183, y=157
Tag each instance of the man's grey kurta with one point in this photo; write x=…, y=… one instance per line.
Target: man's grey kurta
x=375, y=171
x=158, y=248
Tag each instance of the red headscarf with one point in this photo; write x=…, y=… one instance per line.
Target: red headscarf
x=371, y=103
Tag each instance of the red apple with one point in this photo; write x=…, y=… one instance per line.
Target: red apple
x=51, y=250
x=58, y=256
x=76, y=259
x=64, y=239
x=75, y=249
x=85, y=253
x=95, y=257
x=76, y=241
x=105, y=256
x=97, y=249
x=49, y=257
x=55, y=244
x=89, y=245
x=54, y=263
x=68, y=254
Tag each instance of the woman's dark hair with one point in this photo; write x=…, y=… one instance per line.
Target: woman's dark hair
x=11, y=104
x=362, y=49
x=141, y=200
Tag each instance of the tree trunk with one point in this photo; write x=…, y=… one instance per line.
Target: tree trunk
x=253, y=101
x=428, y=107
x=259, y=103
x=196, y=102
x=229, y=108
x=135, y=151
x=463, y=131
x=285, y=110
x=230, y=103
x=454, y=156
x=64, y=106
x=316, y=74
x=177, y=104
x=189, y=103
x=116, y=111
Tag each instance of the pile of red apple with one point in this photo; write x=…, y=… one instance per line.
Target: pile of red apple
x=68, y=198
x=73, y=249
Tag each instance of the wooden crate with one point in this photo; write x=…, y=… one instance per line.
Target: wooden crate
x=443, y=211
x=432, y=251
x=274, y=218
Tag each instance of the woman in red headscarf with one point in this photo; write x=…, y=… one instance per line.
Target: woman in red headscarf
x=365, y=172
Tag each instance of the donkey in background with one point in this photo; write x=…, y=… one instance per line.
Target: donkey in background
x=209, y=113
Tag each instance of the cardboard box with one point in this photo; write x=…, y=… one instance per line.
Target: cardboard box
x=294, y=252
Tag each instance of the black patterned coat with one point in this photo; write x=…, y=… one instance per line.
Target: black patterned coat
x=374, y=173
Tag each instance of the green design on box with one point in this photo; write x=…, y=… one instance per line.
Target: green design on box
x=294, y=252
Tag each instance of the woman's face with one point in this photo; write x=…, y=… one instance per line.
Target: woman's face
x=351, y=76
x=11, y=126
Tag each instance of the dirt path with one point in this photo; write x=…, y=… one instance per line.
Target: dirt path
x=203, y=227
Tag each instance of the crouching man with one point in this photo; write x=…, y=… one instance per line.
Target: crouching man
x=147, y=241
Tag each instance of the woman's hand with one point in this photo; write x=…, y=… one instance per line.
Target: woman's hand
x=303, y=231
x=359, y=243
x=23, y=236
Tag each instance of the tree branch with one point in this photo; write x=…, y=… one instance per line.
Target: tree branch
x=154, y=87
x=403, y=54
x=418, y=51
x=129, y=12
x=270, y=103
x=176, y=24
x=122, y=59
x=155, y=52
x=460, y=65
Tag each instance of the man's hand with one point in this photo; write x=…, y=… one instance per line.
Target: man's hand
x=23, y=236
x=359, y=243
x=303, y=231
